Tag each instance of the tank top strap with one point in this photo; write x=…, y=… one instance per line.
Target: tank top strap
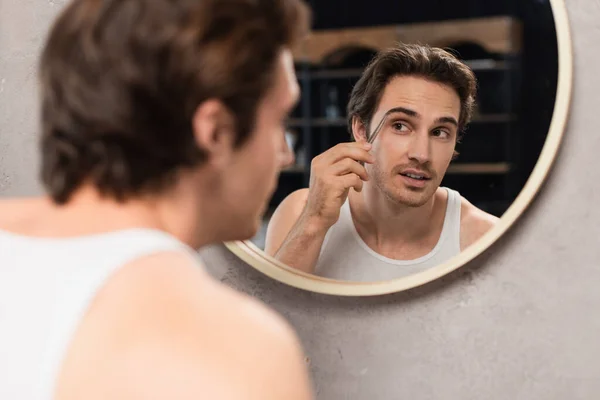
x=452, y=219
x=83, y=285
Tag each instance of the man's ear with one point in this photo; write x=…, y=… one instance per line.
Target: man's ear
x=456, y=153
x=359, y=130
x=214, y=131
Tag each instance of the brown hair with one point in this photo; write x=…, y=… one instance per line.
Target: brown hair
x=121, y=79
x=416, y=60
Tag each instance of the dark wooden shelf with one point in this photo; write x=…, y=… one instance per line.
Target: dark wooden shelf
x=499, y=35
x=479, y=168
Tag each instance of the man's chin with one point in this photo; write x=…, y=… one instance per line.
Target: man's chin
x=410, y=202
x=411, y=198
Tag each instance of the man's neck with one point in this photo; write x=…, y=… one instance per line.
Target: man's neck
x=380, y=220
x=89, y=213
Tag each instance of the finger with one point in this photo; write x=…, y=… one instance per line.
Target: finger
x=347, y=166
x=352, y=181
x=355, y=151
x=361, y=144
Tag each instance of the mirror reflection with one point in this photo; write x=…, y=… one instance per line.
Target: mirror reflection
x=416, y=129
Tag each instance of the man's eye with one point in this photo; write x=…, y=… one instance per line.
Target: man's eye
x=441, y=133
x=399, y=126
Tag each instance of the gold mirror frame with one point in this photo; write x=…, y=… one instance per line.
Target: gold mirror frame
x=271, y=267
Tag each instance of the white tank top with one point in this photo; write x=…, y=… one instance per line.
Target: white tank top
x=345, y=256
x=46, y=286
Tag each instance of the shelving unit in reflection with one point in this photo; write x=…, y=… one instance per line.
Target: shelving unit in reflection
x=487, y=171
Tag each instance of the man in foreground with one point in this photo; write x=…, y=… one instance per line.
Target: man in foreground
x=376, y=211
x=157, y=117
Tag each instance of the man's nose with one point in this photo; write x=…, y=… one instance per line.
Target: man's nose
x=419, y=148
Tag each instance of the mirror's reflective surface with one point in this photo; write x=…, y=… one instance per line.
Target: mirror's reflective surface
x=456, y=98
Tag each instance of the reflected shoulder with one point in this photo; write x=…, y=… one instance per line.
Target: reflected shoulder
x=297, y=199
x=292, y=205
x=474, y=223
x=162, y=328
x=283, y=219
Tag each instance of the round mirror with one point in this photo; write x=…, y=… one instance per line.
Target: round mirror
x=422, y=134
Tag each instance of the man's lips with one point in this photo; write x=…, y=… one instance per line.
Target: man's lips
x=416, y=174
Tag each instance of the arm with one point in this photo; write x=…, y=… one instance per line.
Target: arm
x=298, y=226
x=161, y=329
x=292, y=237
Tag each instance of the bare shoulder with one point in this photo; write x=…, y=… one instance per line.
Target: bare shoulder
x=294, y=203
x=474, y=223
x=284, y=218
x=16, y=211
x=162, y=328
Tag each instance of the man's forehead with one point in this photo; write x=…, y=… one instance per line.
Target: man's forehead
x=420, y=95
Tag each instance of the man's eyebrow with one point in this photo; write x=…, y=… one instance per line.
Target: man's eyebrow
x=402, y=110
x=412, y=113
x=447, y=120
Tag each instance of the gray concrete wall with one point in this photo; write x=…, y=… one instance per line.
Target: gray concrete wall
x=23, y=24
x=520, y=322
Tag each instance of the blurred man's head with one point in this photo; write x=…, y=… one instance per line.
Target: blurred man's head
x=432, y=94
x=141, y=95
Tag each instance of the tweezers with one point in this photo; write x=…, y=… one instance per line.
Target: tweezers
x=371, y=138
